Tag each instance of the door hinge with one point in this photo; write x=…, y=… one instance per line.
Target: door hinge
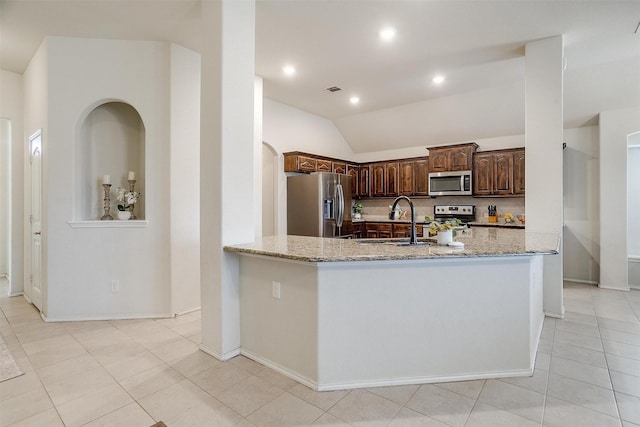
x=31, y=278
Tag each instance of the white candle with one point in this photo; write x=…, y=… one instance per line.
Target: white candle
x=132, y=175
x=106, y=179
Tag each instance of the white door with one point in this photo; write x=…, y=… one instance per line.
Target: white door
x=35, y=282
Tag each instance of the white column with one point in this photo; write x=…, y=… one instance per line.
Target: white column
x=615, y=128
x=543, y=141
x=226, y=164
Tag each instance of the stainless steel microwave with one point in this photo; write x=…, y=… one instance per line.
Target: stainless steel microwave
x=456, y=183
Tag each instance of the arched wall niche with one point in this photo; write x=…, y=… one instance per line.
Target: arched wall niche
x=110, y=141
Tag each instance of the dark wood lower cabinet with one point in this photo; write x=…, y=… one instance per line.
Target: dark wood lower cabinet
x=404, y=230
x=382, y=230
x=378, y=230
x=358, y=230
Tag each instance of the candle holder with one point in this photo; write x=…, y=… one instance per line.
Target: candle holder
x=132, y=186
x=107, y=203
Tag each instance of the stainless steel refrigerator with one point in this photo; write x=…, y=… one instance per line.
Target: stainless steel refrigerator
x=319, y=204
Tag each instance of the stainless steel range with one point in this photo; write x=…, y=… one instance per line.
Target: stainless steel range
x=465, y=213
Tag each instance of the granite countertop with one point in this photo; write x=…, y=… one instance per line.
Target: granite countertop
x=479, y=242
x=497, y=224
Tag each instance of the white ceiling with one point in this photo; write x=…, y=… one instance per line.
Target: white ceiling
x=478, y=45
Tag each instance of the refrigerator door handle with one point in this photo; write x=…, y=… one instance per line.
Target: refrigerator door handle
x=340, y=207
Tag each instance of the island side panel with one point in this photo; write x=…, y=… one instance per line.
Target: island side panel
x=537, y=302
x=280, y=332
x=385, y=323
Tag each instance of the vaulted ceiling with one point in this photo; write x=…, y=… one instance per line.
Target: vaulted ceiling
x=477, y=45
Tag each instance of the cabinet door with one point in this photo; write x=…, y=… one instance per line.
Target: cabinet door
x=421, y=178
x=483, y=174
x=503, y=173
x=407, y=178
x=306, y=164
x=339, y=167
x=518, y=172
x=385, y=233
x=378, y=175
x=460, y=159
x=438, y=160
x=352, y=170
x=323, y=165
x=358, y=230
x=392, y=175
x=364, y=181
x=401, y=230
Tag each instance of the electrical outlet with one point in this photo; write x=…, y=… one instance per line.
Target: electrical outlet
x=275, y=289
x=115, y=285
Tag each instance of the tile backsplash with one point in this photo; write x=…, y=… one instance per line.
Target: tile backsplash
x=424, y=206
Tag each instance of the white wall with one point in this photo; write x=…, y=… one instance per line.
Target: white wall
x=5, y=196
x=36, y=98
x=633, y=216
x=65, y=82
x=581, y=255
x=615, y=128
x=633, y=196
x=11, y=106
x=185, y=179
x=287, y=128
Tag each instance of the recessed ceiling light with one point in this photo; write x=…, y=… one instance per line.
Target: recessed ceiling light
x=354, y=100
x=387, y=33
x=439, y=79
x=289, y=70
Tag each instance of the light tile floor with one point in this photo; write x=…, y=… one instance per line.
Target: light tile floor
x=136, y=372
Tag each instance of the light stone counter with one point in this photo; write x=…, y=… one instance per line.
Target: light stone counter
x=480, y=242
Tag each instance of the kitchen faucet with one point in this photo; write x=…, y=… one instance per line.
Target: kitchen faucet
x=413, y=240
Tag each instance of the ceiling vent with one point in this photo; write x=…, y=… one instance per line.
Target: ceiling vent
x=333, y=89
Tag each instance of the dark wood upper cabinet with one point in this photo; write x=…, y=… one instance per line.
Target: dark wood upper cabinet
x=295, y=162
x=407, y=178
x=495, y=173
x=503, y=174
x=483, y=174
x=364, y=181
x=339, y=167
x=392, y=175
x=518, y=172
x=378, y=180
x=353, y=171
x=421, y=177
x=452, y=157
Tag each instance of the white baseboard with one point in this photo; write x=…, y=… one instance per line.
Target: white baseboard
x=386, y=382
x=220, y=356
x=555, y=315
x=110, y=317
x=634, y=286
x=182, y=313
x=586, y=282
x=16, y=294
x=284, y=371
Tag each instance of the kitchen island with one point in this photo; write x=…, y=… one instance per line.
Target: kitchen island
x=336, y=314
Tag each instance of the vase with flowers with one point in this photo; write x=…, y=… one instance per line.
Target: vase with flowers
x=444, y=230
x=357, y=210
x=127, y=200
